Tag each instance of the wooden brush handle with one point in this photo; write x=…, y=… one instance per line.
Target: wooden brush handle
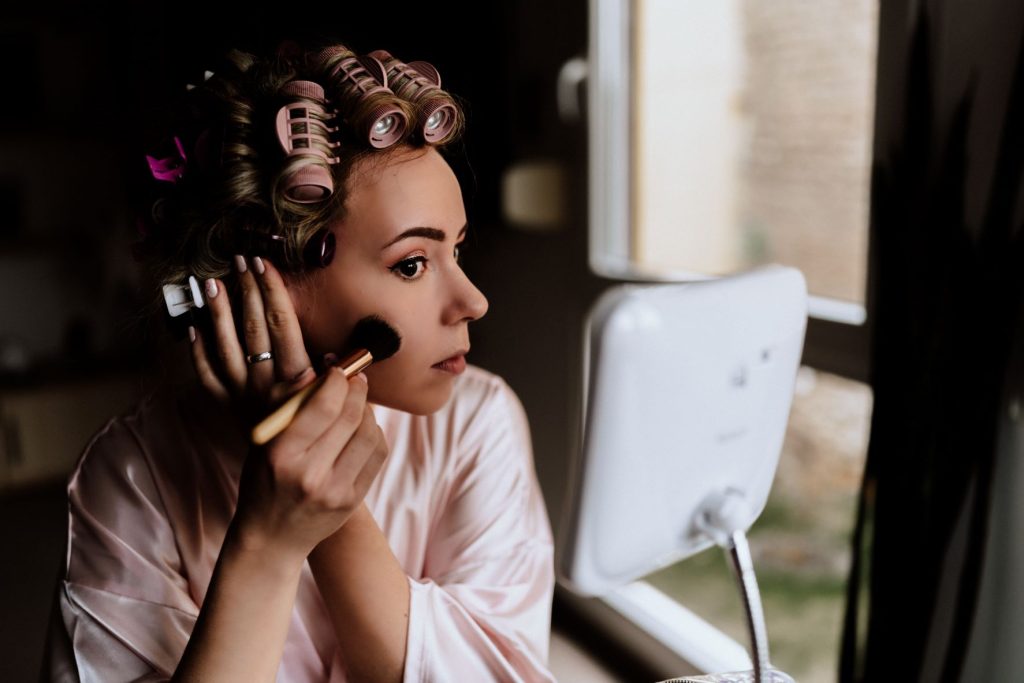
x=275, y=423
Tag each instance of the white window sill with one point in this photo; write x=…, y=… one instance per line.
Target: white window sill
x=661, y=632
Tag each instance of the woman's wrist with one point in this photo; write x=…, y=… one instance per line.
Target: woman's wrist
x=243, y=622
x=359, y=519
x=280, y=561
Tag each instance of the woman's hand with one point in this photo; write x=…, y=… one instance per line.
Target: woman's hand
x=269, y=324
x=308, y=481
x=305, y=483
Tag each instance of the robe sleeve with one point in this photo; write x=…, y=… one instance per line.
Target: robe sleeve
x=123, y=611
x=482, y=612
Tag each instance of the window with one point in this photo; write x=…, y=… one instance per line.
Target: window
x=724, y=135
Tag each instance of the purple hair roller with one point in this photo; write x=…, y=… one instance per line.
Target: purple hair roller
x=364, y=77
x=303, y=131
x=418, y=81
x=320, y=249
x=439, y=116
x=439, y=119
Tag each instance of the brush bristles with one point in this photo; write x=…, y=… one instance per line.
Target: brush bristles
x=374, y=334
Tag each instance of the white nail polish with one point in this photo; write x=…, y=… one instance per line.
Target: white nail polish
x=211, y=289
x=257, y=264
x=240, y=263
x=191, y=333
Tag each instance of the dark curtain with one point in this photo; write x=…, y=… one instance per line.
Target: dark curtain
x=946, y=293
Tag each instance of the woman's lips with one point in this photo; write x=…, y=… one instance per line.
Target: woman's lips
x=455, y=365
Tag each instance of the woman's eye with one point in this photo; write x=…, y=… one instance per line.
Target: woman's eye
x=410, y=268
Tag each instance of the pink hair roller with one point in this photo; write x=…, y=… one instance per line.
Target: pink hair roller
x=365, y=77
x=418, y=81
x=168, y=169
x=303, y=131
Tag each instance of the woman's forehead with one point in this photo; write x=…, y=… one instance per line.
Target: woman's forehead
x=409, y=190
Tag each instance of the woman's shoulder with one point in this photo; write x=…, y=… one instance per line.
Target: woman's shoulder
x=123, y=447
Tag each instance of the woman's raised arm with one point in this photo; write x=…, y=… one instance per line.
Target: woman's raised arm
x=304, y=486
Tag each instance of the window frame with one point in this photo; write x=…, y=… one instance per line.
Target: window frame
x=837, y=337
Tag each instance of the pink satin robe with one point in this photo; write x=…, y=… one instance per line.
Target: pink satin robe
x=151, y=499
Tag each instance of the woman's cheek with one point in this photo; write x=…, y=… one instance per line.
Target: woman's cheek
x=388, y=387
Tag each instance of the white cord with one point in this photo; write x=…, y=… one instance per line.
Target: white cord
x=720, y=519
x=743, y=566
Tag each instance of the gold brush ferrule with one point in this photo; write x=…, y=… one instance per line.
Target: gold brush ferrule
x=356, y=362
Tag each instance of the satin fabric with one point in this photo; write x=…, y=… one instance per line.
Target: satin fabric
x=153, y=494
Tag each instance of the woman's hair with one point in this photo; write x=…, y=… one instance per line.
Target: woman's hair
x=261, y=160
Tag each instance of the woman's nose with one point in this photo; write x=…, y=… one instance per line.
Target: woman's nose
x=467, y=302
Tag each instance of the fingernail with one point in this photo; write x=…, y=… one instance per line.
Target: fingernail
x=240, y=263
x=191, y=333
x=257, y=265
x=330, y=359
x=211, y=288
x=362, y=376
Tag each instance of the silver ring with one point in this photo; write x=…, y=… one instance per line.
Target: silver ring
x=257, y=357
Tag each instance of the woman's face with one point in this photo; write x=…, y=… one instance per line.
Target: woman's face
x=397, y=257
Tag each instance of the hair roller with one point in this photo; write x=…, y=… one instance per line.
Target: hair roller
x=362, y=80
x=420, y=83
x=303, y=131
x=258, y=243
x=319, y=251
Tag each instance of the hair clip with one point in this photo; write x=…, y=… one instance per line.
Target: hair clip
x=365, y=76
x=183, y=298
x=168, y=169
x=303, y=131
x=206, y=76
x=420, y=83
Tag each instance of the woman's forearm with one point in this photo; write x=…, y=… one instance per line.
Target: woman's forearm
x=367, y=594
x=243, y=623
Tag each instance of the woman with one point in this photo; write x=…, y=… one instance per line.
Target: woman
x=394, y=530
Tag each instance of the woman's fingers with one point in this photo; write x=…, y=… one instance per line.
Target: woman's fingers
x=254, y=329
x=282, y=391
x=346, y=459
x=207, y=375
x=329, y=466
x=229, y=352
x=269, y=324
x=375, y=449
x=346, y=445
x=290, y=357
x=316, y=416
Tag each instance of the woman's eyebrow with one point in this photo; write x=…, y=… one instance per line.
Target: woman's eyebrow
x=429, y=233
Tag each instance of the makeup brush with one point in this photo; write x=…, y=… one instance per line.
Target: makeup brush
x=373, y=340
